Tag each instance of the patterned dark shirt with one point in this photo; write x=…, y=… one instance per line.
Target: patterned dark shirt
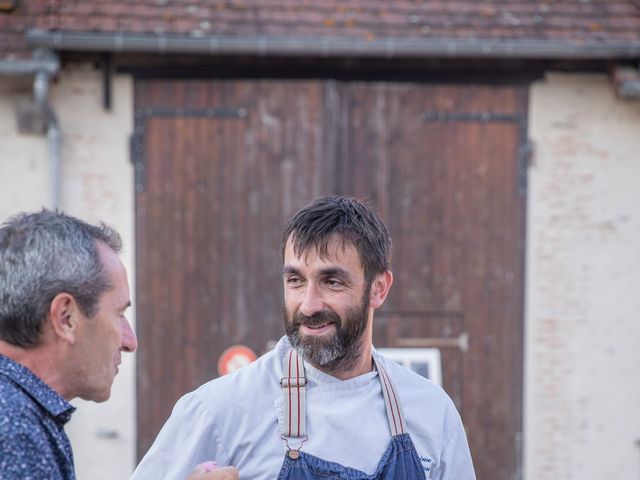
x=33, y=445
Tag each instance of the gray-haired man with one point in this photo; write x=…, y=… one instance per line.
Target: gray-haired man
x=63, y=297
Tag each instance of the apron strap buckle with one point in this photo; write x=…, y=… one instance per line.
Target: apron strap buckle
x=291, y=382
x=293, y=453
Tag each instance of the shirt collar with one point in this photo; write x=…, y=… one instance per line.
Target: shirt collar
x=39, y=391
x=318, y=377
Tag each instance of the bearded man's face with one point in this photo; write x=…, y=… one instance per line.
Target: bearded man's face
x=326, y=309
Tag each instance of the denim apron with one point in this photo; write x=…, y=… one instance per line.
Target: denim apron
x=400, y=461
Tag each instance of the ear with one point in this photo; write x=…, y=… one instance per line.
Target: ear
x=380, y=288
x=64, y=317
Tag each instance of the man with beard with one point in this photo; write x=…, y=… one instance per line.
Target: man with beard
x=323, y=404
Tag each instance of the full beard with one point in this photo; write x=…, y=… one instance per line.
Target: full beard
x=334, y=353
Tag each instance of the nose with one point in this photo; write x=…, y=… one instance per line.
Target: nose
x=312, y=301
x=129, y=339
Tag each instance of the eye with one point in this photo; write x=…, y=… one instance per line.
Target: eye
x=333, y=282
x=293, y=280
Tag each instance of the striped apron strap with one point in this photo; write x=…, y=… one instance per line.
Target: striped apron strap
x=293, y=388
x=391, y=401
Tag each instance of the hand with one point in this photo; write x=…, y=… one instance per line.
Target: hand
x=211, y=471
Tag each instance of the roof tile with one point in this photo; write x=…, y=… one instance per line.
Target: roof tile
x=564, y=20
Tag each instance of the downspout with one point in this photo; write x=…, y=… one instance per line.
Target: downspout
x=43, y=65
x=54, y=134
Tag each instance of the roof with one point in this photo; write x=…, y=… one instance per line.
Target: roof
x=572, y=23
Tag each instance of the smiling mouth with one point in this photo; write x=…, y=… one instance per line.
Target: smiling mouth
x=317, y=329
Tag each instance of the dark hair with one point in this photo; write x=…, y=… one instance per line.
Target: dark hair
x=44, y=254
x=351, y=221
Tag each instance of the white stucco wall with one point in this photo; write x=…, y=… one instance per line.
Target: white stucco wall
x=24, y=169
x=97, y=184
x=583, y=283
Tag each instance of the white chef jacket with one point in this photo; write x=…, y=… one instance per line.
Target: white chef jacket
x=236, y=420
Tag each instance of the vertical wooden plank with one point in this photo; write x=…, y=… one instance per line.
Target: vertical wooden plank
x=219, y=188
x=451, y=203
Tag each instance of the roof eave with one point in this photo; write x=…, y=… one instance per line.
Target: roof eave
x=333, y=46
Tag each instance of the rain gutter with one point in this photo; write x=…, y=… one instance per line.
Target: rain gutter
x=333, y=46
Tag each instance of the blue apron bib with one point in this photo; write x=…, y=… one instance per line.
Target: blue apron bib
x=400, y=461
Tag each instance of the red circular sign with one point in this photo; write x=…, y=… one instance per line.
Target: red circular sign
x=235, y=357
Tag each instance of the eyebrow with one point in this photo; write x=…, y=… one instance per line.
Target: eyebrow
x=325, y=272
x=289, y=269
x=335, y=271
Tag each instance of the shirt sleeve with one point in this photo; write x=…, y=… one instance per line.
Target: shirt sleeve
x=188, y=438
x=455, y=462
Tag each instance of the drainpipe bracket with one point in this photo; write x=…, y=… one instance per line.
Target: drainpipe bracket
x=46, y=60
x=626, y=81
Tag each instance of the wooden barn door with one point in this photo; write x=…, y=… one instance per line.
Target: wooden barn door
x=219, y=168
x=221, y=165
x=443, y=165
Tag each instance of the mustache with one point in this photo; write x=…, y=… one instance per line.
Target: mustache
x=319, y=318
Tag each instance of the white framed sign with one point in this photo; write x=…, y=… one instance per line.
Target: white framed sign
x=424, y=361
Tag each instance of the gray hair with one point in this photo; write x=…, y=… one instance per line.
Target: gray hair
x=43, y=254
